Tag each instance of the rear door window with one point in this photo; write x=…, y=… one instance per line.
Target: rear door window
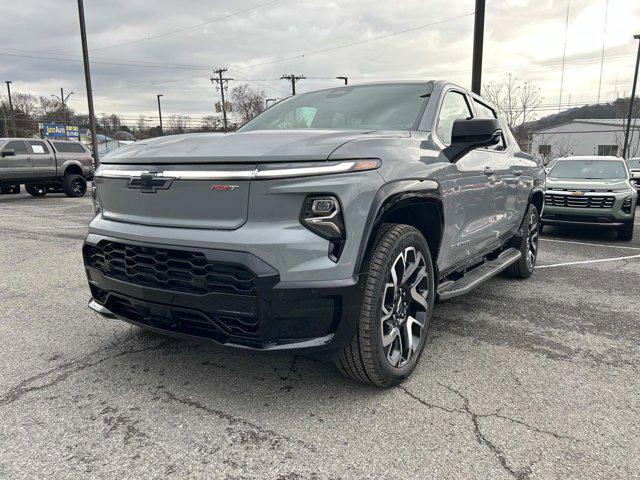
x=69, y=147
x=38, y=147
x=484, y=111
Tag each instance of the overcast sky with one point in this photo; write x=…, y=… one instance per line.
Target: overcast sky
x=137, y=53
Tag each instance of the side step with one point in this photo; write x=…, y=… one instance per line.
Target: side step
x=478, y=275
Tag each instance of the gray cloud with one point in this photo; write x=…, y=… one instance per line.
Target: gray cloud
x=519, y=34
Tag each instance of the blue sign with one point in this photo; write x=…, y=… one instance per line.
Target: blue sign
x=56, y=130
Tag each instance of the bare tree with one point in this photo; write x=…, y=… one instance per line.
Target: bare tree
x=563, y=148
x=211, y=123
x=114, y=122
x=141, y=124
x=25, y=103
x=248, y=102
x=516, y=102
x=622, y=111
x=178, y=123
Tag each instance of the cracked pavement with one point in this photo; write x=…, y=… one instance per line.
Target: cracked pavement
x=520, y=380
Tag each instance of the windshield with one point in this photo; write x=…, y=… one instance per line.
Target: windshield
x=589, y=169
x=362, y=107
x=633, y=163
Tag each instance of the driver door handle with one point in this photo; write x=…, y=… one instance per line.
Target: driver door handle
x=488, y=171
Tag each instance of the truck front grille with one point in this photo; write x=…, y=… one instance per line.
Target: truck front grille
x=168, y=269
x=579, y=201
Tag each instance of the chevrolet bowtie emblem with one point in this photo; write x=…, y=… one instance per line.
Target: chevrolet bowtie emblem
x=577, y=194
x=149, y=182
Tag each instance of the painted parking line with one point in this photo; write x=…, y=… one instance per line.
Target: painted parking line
x=583, y=262
x=588, y=244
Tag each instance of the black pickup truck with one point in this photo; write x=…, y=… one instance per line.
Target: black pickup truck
x=44, y=166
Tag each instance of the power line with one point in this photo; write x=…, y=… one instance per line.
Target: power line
x=359, y=42
x=190, y=27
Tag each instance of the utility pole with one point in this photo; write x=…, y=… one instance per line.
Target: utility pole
x=478, y=45
x=13, y=121
x=222, y=85
x=604, y=40
x=293, y=79
x=87, y=78
x=625, y=149
x=160, y=113
x=346, y=80
x=4, y=123
x=63, y=100
x=564, y=56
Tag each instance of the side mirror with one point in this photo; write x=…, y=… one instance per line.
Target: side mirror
x=471, y=133
x=8, y=152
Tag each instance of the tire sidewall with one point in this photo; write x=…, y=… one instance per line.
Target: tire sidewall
x=415, y=239
x=525, y=242
x=68, y=182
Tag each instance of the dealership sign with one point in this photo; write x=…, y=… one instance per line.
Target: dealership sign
x=56, y=130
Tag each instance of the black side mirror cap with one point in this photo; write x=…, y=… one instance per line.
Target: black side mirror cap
x=8, y=152
x=470, y=133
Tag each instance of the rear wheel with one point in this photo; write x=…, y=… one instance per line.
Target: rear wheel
x=74, y=185
x=36, y=190
x=396, y=309
x=528, y=246
x=626, y=232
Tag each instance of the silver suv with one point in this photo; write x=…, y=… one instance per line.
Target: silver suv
x=330, y=223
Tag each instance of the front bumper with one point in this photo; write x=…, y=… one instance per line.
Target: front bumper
x=266, y=315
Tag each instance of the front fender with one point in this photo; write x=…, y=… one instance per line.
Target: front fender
x=393, y=196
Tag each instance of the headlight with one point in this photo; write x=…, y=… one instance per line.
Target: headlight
x=626, y=205
x=307, y=169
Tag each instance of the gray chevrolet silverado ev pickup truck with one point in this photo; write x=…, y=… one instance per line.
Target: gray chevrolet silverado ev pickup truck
x=330, y=223
x=44, y=166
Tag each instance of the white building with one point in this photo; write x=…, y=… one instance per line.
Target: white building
x=585, y=137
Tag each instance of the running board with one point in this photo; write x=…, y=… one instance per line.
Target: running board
x=478, y=275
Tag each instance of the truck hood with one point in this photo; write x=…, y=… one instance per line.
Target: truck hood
x=587, y=185
x=242, y=147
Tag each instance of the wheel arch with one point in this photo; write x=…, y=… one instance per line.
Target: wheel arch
x=72, y=169
x=414, y=202
x=537, y=198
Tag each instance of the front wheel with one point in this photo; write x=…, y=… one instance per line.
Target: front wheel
x=396, y=309
x=36, y=190
x=74, y=185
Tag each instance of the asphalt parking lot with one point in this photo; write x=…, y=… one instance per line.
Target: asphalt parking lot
x=520, y=379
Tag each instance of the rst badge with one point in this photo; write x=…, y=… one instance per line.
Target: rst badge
x=224, y=188
x=150, y=182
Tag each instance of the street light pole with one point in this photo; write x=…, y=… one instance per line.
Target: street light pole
x=625, y=149
x=87, y=78
x=478, y=40
x=160, y=113
x=13, y=121
x=346, y=80
x=63, y=100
